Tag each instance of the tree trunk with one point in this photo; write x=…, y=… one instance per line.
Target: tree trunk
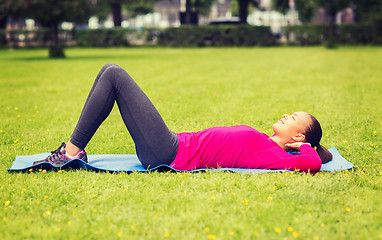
x=56, y=50
x=3, y=23
x=54, y=34
x=332, y=24
x=243, y=11
x=117, y=14
x=188, y=12
x=332, y=41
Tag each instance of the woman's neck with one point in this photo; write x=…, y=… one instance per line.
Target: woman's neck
x=280, y=141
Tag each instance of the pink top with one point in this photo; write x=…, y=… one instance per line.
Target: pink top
x=239, y=147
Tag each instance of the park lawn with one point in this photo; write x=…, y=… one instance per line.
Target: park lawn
x=193, y=89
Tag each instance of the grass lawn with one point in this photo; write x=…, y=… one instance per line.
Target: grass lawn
x=193, y=89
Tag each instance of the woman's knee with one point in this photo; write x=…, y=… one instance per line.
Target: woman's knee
x=116, y=75
x=109, y=65
x=114, y=69
x=110, y=69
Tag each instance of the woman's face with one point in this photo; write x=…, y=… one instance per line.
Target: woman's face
x=291, y=125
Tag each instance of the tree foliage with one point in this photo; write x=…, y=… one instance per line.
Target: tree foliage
x=116, y=7
x=368, y=11
x=305, y=8
x=140, y=7
x=47, y=12
x=50, y=13
x=333, y=6
x=203, y=7
x=10, y=8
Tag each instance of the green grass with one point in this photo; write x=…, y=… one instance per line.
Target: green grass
x=193, y=89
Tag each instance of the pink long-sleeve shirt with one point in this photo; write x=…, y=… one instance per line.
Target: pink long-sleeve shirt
x=239, y=147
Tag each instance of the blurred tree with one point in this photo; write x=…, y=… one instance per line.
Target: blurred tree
x=140, y=7
x=368, y=11
x=331, y=8
x=202, y=7
x=243, y=9
x=188, y=13
x=9, y=8
x=4, y=12
x=50, y=13
x=234, y=8
x=134, y=7
x=305, y=8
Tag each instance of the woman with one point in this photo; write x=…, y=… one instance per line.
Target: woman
x=235, y=147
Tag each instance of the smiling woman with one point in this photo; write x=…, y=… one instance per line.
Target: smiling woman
x=292, y=131
x=233, y=147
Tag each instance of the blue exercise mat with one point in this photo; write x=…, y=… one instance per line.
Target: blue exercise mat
x=130, y=163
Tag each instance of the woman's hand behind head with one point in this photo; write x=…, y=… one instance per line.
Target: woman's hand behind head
x=296, y=145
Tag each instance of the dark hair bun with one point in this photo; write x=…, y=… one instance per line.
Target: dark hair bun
x=324, y=154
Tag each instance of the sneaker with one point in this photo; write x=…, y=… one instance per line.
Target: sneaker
x=59, y=158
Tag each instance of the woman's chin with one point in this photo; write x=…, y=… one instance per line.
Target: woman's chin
x=274, y=128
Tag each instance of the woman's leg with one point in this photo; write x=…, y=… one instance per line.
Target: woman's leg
x=70, y=148
x=155, y=143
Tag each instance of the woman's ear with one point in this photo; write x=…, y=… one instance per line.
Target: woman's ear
x=299, y=137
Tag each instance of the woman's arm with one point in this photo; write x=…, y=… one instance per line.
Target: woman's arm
x=296, y=145
x=308, y=160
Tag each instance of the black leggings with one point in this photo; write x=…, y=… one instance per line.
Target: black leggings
x=155, y=144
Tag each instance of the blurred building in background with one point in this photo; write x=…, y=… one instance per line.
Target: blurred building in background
x=167, y=14
x=346, y=16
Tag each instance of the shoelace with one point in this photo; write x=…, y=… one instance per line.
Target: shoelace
x=55, y=153
x=59, y=148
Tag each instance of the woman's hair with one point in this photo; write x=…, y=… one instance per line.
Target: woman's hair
x=313, y=136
